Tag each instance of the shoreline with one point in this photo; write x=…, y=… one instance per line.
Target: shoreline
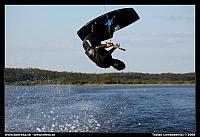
x=137, y=85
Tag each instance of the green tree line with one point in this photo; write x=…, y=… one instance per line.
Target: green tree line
x=34, y=76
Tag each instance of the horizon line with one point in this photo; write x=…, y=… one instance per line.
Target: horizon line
x=98, y=73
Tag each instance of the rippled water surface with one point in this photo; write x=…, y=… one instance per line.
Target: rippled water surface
x=100, y=109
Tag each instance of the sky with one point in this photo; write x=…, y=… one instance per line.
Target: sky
x=45, y=37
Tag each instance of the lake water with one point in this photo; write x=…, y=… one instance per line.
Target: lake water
x=100, y=109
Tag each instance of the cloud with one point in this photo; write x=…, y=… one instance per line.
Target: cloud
x=171, y=34
x=156, y=34
x=181, y=18
x=160, y=38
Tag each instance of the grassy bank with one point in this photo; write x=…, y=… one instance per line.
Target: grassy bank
x=26, y=77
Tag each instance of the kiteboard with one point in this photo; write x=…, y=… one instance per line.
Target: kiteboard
x=109, y=23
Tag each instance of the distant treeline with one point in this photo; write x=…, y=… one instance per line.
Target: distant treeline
x=30, y=76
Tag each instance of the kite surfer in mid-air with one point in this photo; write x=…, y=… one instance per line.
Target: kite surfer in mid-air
x=103, y=28
x=98, y=54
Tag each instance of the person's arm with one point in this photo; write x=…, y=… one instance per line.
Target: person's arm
x=117, y=45
x=111, y=50
x=107, y=45
x=101, y=46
